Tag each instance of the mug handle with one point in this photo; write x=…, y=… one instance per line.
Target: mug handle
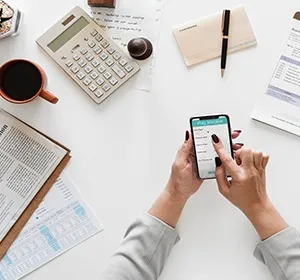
x=49, y=96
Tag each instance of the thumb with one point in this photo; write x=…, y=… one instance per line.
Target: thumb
x=186, y=148
x=221, y=177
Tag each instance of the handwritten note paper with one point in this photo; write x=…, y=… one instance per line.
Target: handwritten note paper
x=131, y=19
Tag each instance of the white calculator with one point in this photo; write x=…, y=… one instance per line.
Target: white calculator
x=88, y=55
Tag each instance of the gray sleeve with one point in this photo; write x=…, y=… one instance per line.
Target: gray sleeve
x=143, y=252
x=281, y=253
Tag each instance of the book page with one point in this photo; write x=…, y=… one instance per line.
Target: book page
x=63, y=220
x=27, y=159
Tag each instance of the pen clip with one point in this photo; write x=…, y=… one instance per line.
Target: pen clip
x=223, y=21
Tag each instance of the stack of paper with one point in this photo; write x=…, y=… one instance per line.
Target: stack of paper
x=30, y=163
x=62, y=221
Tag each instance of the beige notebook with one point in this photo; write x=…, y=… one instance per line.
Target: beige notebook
x=201, y=39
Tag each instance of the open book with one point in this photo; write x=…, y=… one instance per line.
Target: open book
x=27, y=160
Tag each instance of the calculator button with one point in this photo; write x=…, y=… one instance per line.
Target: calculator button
x=80, y=75
x=113, y=81
x=118, y=71
x=98, y=37
x=111, y=50
x=92, y=44
x=88, y=69
x=95, y=63
x=94, y=75
x=103, y=56
x=105, y=44
x=69, y=63
x=101, y=69
x=75, y=69
x=87, y=81
x=128, y=68
x=109, y=62
x=94, y=32
x=84, y=51
x=89, y=57
x=123, y=62
x=93, y=87
x=99, y=93
x=107, y=75
x=100, y=81
x=117, y=56
x=81, y=63
x=76, y=57
x=97, y=50
x=106, y=87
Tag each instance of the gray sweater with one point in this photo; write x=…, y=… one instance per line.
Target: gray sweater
x=148, y=243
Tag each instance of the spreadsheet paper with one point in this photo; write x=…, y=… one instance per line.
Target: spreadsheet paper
x=62, y=221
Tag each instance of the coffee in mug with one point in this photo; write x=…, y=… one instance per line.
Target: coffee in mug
x=21, y=81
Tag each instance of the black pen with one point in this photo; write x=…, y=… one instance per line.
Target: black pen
x=225, y=31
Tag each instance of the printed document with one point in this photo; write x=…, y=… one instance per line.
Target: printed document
x=62, y=221
x=280, y=106
x=27, y=159
x=131, y=19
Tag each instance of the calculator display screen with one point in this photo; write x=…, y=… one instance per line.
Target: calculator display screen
x=68, y=34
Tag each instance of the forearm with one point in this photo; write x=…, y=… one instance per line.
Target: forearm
x=280, y=248
x=281, y=254
x=266, y=220
x=169, y=205
x=143, y=252
x=148, y=241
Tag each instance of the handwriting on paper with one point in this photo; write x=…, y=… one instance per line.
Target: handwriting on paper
x=129, y=25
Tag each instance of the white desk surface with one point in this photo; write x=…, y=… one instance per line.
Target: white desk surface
x=123, y=149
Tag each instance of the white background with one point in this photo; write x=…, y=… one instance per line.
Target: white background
x=123, y=149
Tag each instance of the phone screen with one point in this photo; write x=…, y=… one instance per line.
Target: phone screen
x=202, y=129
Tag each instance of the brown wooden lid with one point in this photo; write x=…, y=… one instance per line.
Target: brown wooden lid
x=297, y=16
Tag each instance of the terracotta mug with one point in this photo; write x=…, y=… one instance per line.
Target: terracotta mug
x=21, y=81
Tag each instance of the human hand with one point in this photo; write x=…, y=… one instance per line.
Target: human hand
x=182, y=184
x=184, y=181
x=247, y=188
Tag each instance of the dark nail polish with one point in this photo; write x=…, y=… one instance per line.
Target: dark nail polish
x=240, y=144
x=238, y=131
x=187, y=135
x=215, y=138
x=218, y=162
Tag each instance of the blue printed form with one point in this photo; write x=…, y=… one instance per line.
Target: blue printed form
x=279, y=107
x=285, y=83
x=62, y=221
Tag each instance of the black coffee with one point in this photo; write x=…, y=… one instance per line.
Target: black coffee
x=21, y=81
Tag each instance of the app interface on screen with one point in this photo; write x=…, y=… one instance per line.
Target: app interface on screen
x=205, y=152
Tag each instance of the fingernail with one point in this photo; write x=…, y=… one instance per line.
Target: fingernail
x=215, y=138
x=237, y=130
x=218, y=162
x=240, y=144
x=187, y=135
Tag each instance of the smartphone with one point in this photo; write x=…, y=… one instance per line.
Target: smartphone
x=202, y=129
